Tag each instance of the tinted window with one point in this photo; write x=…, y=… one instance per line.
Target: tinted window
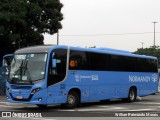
x=80, y=60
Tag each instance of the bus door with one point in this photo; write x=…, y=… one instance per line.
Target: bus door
x=56, y=75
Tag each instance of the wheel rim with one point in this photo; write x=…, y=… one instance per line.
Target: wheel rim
x=132, y=95
x=71, y=99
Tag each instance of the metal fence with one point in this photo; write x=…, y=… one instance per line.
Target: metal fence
x=3, y=78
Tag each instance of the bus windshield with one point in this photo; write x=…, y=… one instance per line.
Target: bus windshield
x=27, y=68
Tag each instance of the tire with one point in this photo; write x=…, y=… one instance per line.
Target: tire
x=73, y=100
x=132, y=95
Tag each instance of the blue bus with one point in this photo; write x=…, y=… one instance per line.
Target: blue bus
x=4, y=72
x=7, y=59
x=48, y=75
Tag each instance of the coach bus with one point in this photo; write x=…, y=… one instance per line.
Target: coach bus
x=48, y=75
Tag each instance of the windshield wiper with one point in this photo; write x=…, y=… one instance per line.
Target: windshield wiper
x=26, y=69
x=21, y=69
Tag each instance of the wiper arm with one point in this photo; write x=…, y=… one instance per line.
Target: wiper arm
x=21, y=67
x=26, y=69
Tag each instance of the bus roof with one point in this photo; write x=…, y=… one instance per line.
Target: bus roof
x=112, y=51
x=47, y=48
x=34, y=49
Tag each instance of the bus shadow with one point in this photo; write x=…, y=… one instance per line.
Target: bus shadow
x=59, y=108
x=83, y=105
x=39, y=109
x=113, y=102
x=104, y=102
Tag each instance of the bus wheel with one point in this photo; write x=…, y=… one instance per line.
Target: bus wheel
x=73, y=100
x=132, y=95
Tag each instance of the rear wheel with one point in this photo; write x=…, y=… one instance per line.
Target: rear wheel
x=132, y=95
x=73, y=100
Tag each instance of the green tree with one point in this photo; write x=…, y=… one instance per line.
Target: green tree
x=23, y=22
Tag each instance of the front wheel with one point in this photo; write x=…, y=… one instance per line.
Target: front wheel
x=132, y=95
x=73, y=100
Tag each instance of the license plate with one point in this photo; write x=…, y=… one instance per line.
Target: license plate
x=19, y=97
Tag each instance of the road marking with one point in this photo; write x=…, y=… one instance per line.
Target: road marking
x=114, y=108
x=140, y=110
x=5, y=106
x=110, y=108
x=3, y=102
x=8, y=103
x=42, y=119
x=153, y=103
x=15, y=104
x=104, y=108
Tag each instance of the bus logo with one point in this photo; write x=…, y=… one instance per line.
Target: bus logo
x=94, y=77
x=154, y=78
x=77, y=78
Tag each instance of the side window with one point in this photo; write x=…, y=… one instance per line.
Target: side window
x=98, y=61
x=151, y=65
x=154, y=65
x=78, y=60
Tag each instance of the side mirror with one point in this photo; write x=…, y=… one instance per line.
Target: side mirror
x=54, y=63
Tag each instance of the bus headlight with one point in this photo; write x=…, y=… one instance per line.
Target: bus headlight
x=35, y=90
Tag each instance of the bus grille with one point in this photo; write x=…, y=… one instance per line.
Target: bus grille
x=20, y=87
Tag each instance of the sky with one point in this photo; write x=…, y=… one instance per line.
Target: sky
x=118, y=24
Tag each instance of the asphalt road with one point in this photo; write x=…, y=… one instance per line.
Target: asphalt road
x=147, y=108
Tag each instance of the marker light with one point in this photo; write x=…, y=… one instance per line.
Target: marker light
x=39, y=99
